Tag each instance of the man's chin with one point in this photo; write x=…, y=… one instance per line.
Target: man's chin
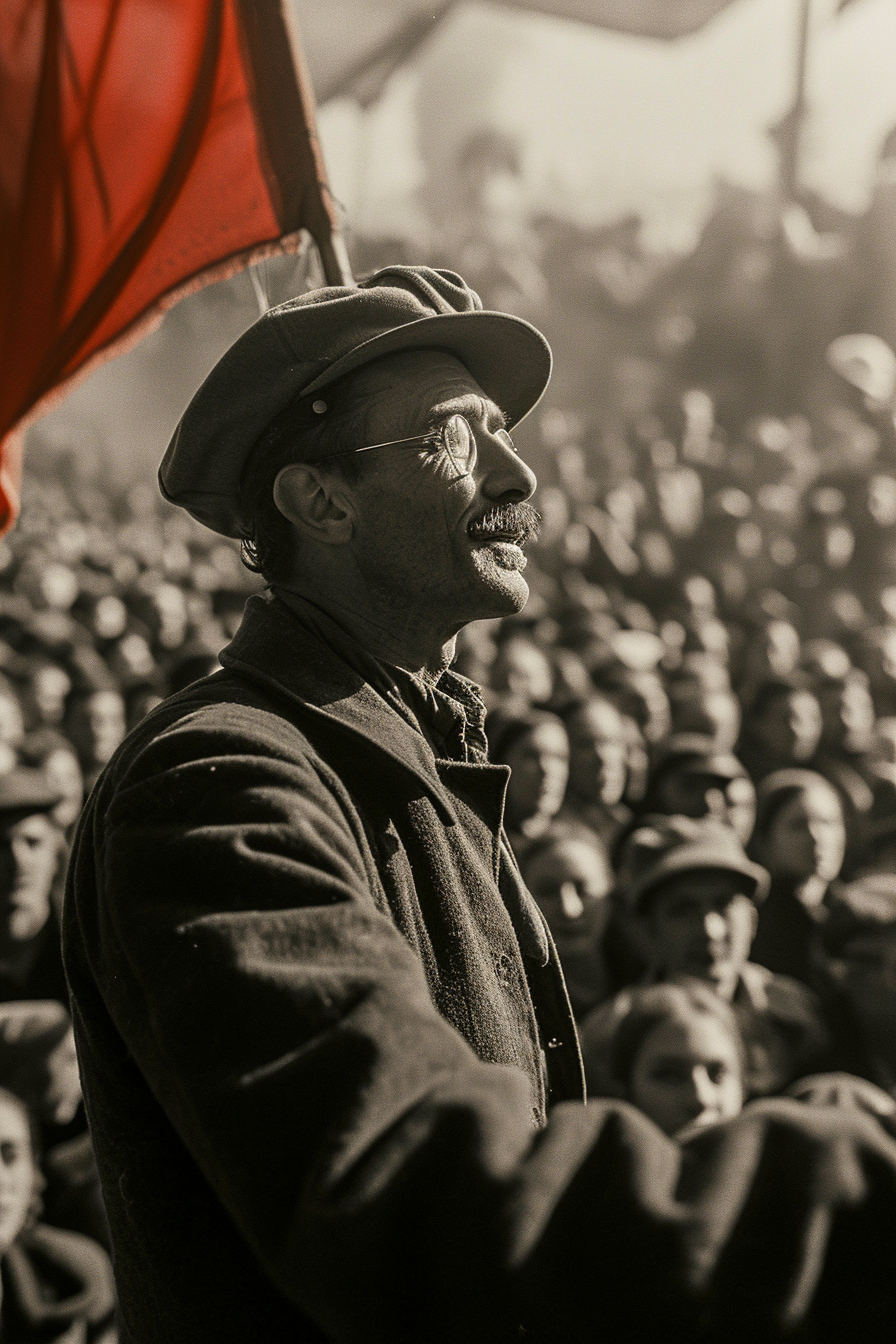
x=502, y=584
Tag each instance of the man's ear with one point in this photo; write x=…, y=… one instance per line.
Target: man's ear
x=314, y=502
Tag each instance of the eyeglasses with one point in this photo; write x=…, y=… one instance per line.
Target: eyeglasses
x=454, y=437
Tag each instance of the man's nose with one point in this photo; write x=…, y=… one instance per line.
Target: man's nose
x=703, y=1088
x=571, y=903
x=714, y=926
x=504, y=474
x=716, y=802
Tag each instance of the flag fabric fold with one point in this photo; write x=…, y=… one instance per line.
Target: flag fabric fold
x=149, y=146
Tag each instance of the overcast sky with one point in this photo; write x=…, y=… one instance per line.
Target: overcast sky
x=611, y=123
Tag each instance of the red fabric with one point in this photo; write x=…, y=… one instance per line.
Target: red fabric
x=133, y=160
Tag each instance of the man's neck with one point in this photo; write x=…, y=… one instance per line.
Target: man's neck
x=412, y=651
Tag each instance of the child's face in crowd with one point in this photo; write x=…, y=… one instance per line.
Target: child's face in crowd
x=701, y=924
x=29, y=855
x=52, y=1083
x=571, y=882
x=17, y=1172
x=807, y=837
x=539, y=765
x=688, y=1075
x=598, y=759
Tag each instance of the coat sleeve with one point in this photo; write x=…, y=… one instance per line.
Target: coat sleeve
x=387, y=1180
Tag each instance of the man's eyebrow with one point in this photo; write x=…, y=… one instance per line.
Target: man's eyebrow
x=475, y=407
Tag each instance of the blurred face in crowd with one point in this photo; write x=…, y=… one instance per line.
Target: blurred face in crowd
x=789, y=725
x=701, y=924
x=12, y=726
x=523, y=671
x=18, y=1170
x=847, y=714
x=687, y=1075
x=30, y=850
x=60, y=1083
x=63, y=771
x=650, y=705
x=691, y=792
x=806, y=836
x=571, y=881
x=48, y=688
x=781, y=648
x=598, y=753
x=714, y=713
x=539, y=765
x=98, y=726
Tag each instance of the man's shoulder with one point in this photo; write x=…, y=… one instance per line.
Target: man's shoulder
x=222, y=715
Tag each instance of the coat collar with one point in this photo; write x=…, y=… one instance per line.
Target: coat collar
x=272, y=647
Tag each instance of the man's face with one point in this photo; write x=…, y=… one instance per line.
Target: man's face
x=416, y=552
x=571, y=882
x=598, y=763
x=29, y=854
x=539, y=765
x=701, y=924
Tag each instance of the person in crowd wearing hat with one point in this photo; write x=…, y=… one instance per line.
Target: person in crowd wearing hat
x=692, y=897
x=692, y=777
x=330, y=1068
x=32, y=848
x=568, y=872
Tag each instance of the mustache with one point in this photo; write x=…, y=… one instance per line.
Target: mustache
x=518, y=523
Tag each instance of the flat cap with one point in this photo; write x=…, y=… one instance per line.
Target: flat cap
x=661, y=848
x=303, y=345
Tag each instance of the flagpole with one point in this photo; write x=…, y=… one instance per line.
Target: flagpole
x=285, y=104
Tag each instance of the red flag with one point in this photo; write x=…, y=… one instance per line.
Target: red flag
x=150, y=146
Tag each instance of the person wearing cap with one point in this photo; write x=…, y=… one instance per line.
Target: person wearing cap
x=692, y=899
x=32, y=848
x=693, y=777
x=327, y=1057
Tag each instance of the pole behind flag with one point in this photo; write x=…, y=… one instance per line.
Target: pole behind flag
x=149, y=149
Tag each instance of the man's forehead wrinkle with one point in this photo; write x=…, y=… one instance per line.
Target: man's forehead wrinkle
x=472, y=405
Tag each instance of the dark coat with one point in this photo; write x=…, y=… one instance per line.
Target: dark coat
x=308, y=1014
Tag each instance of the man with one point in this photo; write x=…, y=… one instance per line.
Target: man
x=692, y=899
x=32, y=849
x=319, y=1019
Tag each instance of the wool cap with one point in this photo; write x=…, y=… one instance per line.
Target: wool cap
x=303, y=345
x=661, y=848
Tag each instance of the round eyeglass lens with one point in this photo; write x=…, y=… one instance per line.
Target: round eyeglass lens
x=459, y=443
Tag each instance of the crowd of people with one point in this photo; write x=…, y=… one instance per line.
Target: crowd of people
x=698, y=709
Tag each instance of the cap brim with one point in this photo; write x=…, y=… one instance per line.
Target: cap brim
x=509, y=359
x=699, y=858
